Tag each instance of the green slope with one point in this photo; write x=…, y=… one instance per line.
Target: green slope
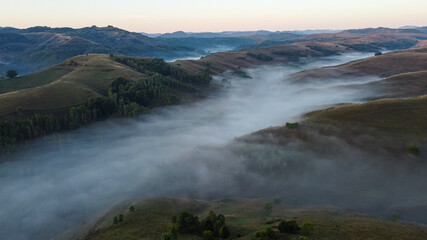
x=244, y=217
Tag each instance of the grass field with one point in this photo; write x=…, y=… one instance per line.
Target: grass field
x=244, y=217
x=405, y=117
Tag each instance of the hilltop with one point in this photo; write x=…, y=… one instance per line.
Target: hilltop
x=62, y=86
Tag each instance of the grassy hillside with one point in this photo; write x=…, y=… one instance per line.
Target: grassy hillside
x=400, y=85
x=383, y=129
x=401, y=117
x=385, y=65
x=62, y=86
x=229, y=61
x=244, y=217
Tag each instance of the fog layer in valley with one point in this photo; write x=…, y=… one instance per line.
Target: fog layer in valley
x=58, y=182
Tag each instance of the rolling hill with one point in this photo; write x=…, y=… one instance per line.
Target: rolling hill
x=385, y=65
x=400, y=117
x=58, y=88
x=233, y=61
x=364, y=40
x=243, y=217
x=32, y=49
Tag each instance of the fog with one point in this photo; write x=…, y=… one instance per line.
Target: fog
x=55, y=183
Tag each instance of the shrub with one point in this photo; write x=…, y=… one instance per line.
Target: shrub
x=307, y=228
x=239, y=72
x=169, y=236
x=322, y=50
x=302, y=238
x=116, y=220
x=186, y=222
x=260, y=57
x=19, y=110
x=413, y=149
x=265, y=234
x=292, y=125
x=213, y=223
x=268, y=206
x=289, y=227
x=224, y=232
x=121, y=218
x=133, y=109
x=132, y=209
x=395, y=217
x=207, y=235
x=11, y=74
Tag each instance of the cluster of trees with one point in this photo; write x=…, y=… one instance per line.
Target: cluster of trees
x=93, y=110
x=118, y=219
x=289, y=227
x=260, y=57
x=154, y=65
x=11, y=74
x=291, y=55
x=291, y=125
x=265, y=234
x=292, y=227
x=26, y=129
x=413, y=150
x=239, y=72
x=211, y=226
x=324, y=51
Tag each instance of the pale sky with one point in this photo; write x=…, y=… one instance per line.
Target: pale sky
x=214, y=15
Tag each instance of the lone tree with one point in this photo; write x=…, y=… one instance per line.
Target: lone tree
x=11, y=74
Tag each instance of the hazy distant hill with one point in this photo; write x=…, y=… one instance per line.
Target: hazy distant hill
x=233, y=34
x=28, y=50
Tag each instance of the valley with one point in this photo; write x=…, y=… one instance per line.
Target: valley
x=314, y=125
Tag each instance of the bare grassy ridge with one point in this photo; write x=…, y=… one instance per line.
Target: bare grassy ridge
x=385, y=65
x=244, y=217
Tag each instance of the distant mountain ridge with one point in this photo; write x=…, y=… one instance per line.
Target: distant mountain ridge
x=232, y=34
x=35, y=48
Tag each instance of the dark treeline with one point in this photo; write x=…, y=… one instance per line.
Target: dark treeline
x=26, y=129
x=150, y=65
x=260, y=57
x=125, y=97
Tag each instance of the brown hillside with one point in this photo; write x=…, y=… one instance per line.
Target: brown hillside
x=384, y=66
x=226, y=61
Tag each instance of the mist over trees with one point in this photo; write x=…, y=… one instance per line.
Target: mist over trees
x=125, y=97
